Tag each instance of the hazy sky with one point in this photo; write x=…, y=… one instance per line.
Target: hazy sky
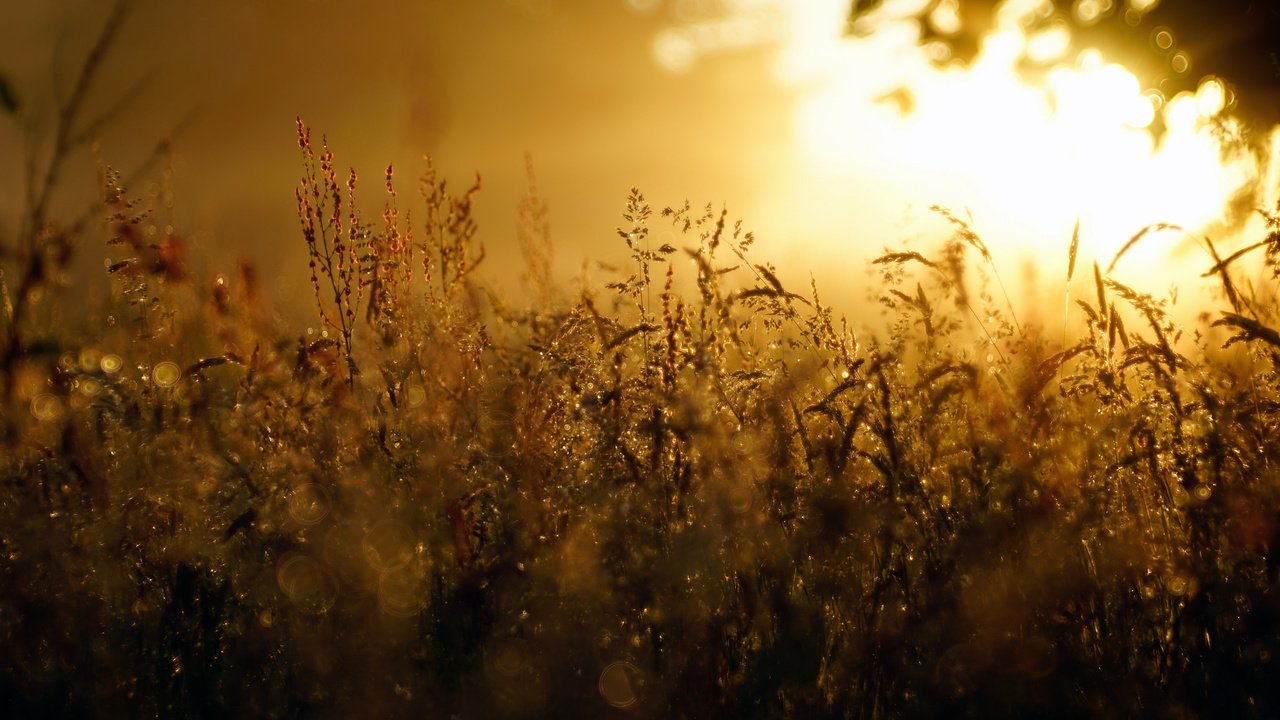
x=476, y=83
x=778, y=121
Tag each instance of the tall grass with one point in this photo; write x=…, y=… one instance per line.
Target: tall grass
x=687, y=491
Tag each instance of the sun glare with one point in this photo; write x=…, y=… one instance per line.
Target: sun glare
x=1025, y=158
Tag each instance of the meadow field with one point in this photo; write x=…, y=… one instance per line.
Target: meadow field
x=683, y=490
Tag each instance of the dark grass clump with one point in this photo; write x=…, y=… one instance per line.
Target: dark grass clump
x=687, y=491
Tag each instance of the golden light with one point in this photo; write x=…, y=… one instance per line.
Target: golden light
x=1049, y=44
x=1025, y=158
x=1088, y=11
x=946, y=17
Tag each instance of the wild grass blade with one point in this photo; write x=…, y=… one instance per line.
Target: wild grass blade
x=1154, y=227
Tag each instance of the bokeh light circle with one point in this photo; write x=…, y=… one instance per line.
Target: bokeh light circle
x=388, y=545
x=165, y=374
x=306, y=583
x=308, y=504
x=620, y=683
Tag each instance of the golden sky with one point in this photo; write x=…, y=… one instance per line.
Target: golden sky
x=476, y=83
x=762, y=105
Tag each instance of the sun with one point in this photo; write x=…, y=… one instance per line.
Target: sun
x=1028, y=158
